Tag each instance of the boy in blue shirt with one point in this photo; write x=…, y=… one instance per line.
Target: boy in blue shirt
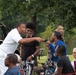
x=11, y=61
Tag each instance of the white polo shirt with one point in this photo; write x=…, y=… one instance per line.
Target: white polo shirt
x=10, y=43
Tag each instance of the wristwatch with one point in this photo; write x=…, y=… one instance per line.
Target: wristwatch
x=32, y=55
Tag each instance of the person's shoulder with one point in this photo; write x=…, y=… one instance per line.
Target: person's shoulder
x=15, y=69
x=60, y=42
x=62, y=58
x=13, y=30
x=10, y=72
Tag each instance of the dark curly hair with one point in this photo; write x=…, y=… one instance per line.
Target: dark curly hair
x=61, y=50
x=30, y=25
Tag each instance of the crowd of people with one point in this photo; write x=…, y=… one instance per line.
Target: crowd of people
x=11, y=42
x=29, y=49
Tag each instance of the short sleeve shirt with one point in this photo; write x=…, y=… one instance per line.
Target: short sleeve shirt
x=10, y=43
x=12, y=71
x=29, y=49
x=65, y=63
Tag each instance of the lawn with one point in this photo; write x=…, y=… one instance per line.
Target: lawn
x=70, y=57
x=43, y=58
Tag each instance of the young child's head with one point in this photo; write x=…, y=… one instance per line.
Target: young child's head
x=11, y=59
x=74, y=53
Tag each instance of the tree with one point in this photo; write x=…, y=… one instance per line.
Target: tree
x=45, y=11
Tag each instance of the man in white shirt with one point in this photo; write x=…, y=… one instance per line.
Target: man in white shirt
x=74, y=61
x=11, y=42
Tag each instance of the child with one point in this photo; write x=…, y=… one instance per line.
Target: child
x=11, y=61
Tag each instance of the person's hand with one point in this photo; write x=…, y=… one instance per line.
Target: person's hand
x=29, y=58
x=48, y=42
x=38, y=39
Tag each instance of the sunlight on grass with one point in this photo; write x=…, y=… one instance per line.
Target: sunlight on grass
x=43, y=58
x=70, y=57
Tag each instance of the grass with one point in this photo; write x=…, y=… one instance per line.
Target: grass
x=43, y=58
x=70, y=57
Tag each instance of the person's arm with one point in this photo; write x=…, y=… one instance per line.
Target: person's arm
x=21, y=48
x=35, y=53
x=37, y=50
x=59, y=71
x=27, y=40
x=52, y=48
x=18, y=39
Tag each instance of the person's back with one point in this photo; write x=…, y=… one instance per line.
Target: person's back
x=64, y=66
x=65, y=63
x=13, y=71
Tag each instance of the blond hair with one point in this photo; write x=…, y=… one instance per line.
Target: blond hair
x=60, y=29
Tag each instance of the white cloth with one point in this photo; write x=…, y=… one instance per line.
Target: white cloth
x=72, y=63
x=2, y=66
x=9, y=45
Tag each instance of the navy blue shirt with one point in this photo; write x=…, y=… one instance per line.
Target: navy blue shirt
x=52, y=48
x=13, y=71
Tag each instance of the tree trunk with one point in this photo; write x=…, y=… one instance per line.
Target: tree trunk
x=33, y=19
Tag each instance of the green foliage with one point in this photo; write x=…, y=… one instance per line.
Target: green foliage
x=74, y=30
x=46, y=12
x=57, y=11
x=47, y=35
x=48, y=31
x=71, y=43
